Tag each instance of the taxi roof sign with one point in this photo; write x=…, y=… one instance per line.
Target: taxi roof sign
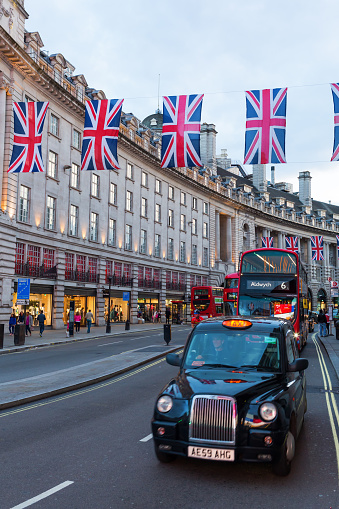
x=237, y=323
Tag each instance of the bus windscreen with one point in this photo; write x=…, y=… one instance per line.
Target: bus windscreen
x=269, y=262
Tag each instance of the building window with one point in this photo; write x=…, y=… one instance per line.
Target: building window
x=158, y=213
x=113, y=193
x=50, y=213
x=34, y=260
x=157, y=245
x=129, y=172
x=144, y=207
x=183, y=252
x=69, y=266
x=52, y=164
x=205, y=230
x=95, y=185
x=48, y=258
x=194, y=254
x=54, y=125
x=171, y=192
x=75, y=176
x=92, y=269
x=205, y=207
x=194, y=226
x=112, y=232
x=76, y=139
x=170, y=218
x=19, y=258
x=194, y=203
x=24, y=204
x=128, y=237
x=143, y=241
x=205, y=257
x=183, y=222
x=73, y=221
x=144, y=179
x=81, y=267
x=183, y=198
x=158, y=186
x=129, y=201
x=94, y=226
x=170, y=251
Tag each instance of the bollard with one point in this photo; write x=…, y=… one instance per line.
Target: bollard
x=19, y=334
x=127, y=324
x=337, y=329
x=167, y=333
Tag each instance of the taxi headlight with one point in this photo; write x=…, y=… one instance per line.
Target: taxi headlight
x=164, y=404
x=268, y=411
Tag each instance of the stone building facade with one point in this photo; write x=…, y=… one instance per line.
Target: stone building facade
x=143, y=234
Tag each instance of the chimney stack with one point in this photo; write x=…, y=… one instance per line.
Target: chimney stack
x=305, y=188
x=272, y=175
x=259, y=177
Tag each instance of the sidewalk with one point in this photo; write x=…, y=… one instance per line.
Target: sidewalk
x=331, y=345
x=31, y=389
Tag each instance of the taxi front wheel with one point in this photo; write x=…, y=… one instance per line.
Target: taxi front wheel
x=282, y=466
x=163, y=457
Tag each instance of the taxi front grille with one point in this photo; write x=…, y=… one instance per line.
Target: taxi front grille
x=213, y=419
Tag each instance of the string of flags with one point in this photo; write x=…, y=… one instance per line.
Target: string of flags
x=292, y=244
x=264, y=134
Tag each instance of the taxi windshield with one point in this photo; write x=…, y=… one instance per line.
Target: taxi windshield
x=234, y=349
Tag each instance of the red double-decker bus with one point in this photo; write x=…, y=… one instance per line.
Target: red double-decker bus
x=273, y=282
x=206, y=302
x=231, y=293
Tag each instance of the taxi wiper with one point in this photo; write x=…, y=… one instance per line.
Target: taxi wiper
x=216, y=365
x=259, y=368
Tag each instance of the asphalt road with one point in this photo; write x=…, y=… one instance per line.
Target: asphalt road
x=92, y=448
x=28, y=363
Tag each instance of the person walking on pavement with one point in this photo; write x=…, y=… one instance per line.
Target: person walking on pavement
x=322, y=323
x=28, y=323
x=327, y=316
x=41, y=320
x=77, y=320
x=12, y=324
x=167, y=314
x=21, y=317
x=89, y=318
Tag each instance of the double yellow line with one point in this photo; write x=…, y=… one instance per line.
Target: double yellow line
x=329, y=399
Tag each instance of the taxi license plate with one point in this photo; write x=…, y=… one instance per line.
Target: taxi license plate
x=207, y=453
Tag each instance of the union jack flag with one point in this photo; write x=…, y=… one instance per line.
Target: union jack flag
x=101, y=131
x=181, y=131
x=335, y=95
x=317, y=245
x=29, y=120
x=337, y=236
x=267, y=242
x=292, y=244
x=265, y=126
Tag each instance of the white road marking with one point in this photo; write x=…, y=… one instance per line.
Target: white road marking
x=114, y=343
x=146, y=439
x=46, y=494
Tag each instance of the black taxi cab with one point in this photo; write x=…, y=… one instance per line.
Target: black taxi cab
x=240, y=394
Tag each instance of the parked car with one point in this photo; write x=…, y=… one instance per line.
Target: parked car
x=240, y=394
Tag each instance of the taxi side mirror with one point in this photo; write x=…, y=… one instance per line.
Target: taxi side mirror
x=173, y=359
x=298, y=365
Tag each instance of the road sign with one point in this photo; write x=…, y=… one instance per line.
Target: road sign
x=22, y=302
x=334, y=284
x=125, y=296
x=24, y=286
x=329, y=279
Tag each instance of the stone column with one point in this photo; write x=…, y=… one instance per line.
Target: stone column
x=217, y=235
x=229, y=239
x=134, y=294
x=59, y=292
x=280, y=241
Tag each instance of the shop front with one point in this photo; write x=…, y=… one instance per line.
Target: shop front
x=179, y=310
x=40, y=298
x=84, y=301
x=119, y=308
x=321, y=299
x=148, y=307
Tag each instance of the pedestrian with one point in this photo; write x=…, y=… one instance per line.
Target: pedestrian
x=11, y=324
x=167, y=314
x=21, y=317
x=41, y=321
x=28, y=323
x=322, y=323
x=159, y=316
x=327, y=316
x=77, y=320
x=89, y=318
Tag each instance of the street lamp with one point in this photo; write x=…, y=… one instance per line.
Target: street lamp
x=108, y=324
